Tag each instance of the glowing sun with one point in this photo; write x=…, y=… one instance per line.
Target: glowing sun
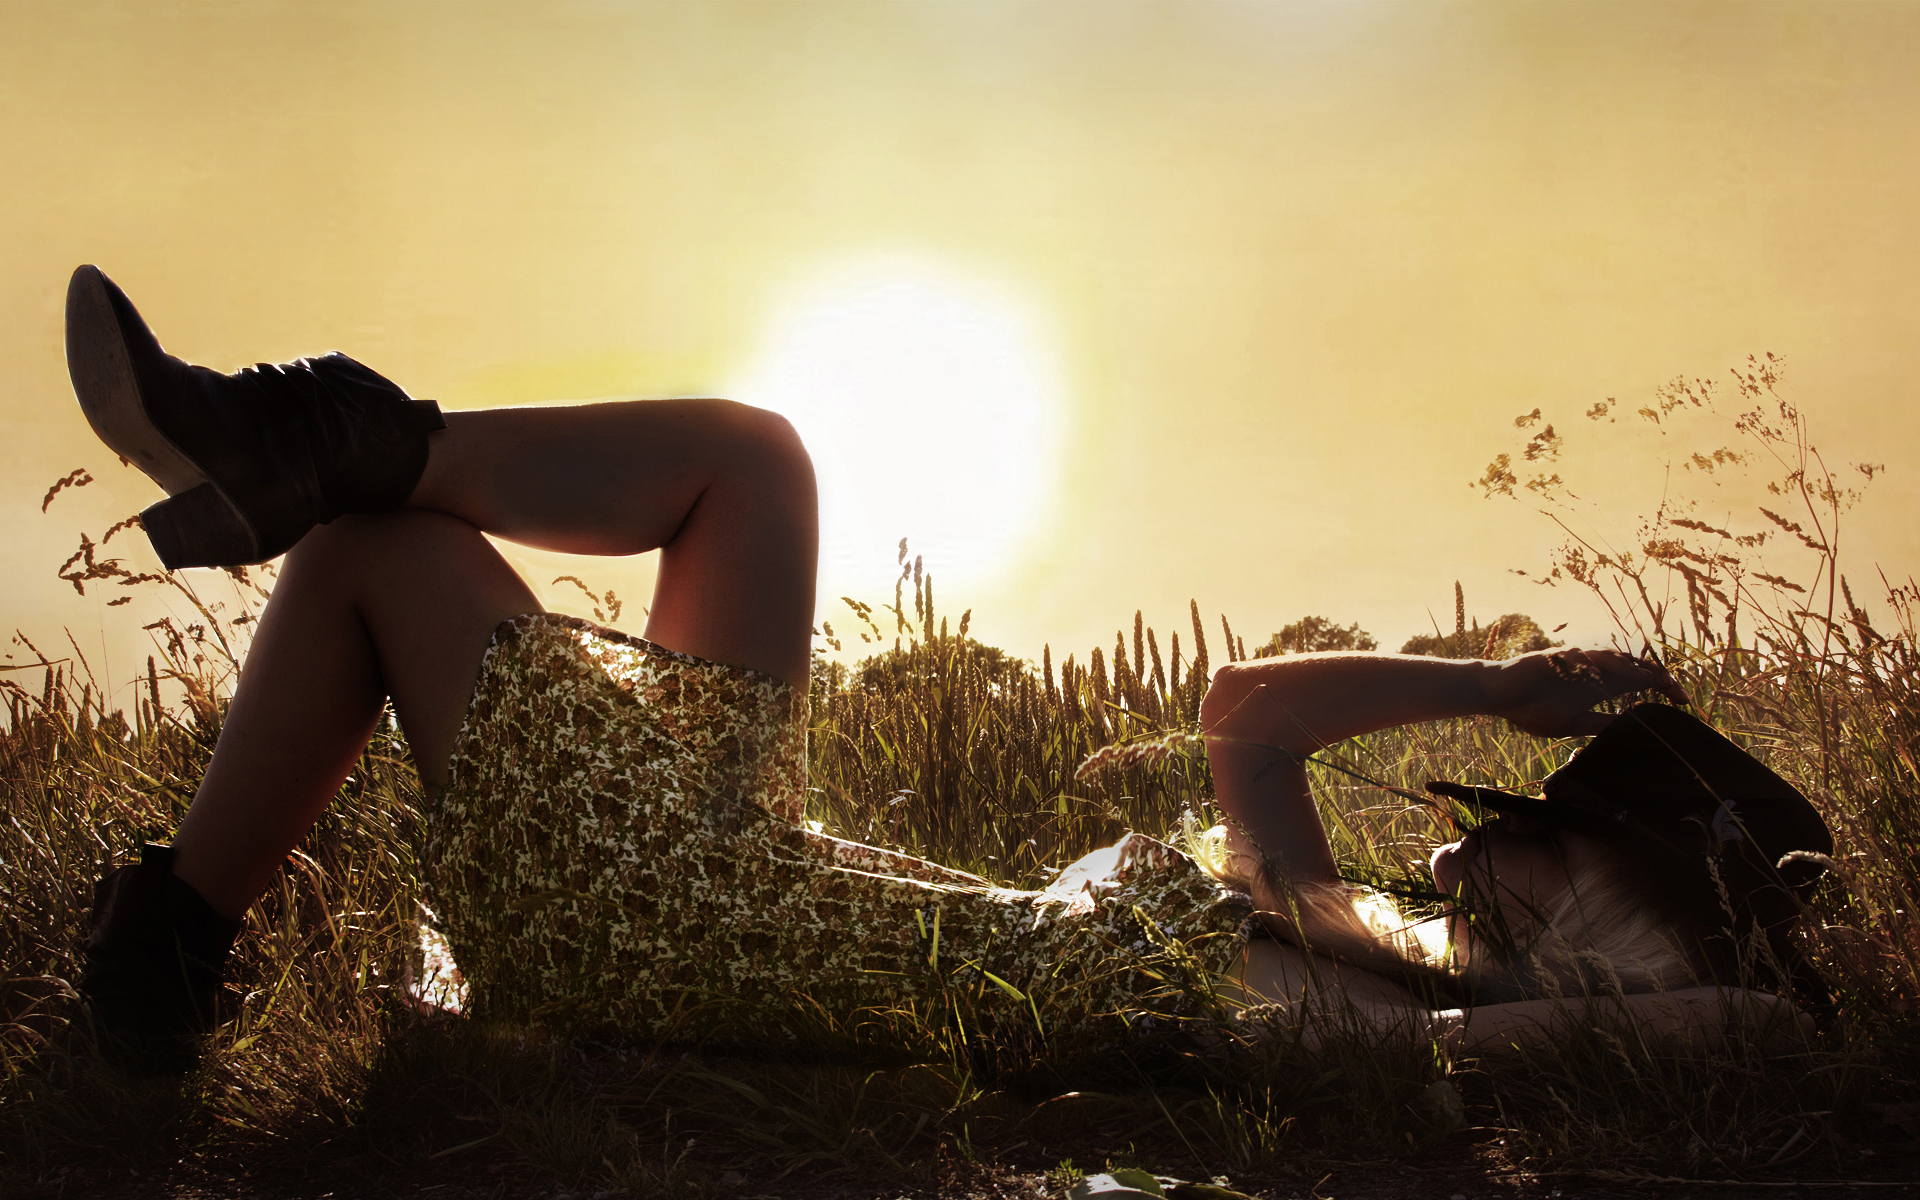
x=932, y=408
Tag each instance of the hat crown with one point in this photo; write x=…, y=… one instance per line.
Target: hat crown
x=1669, y=771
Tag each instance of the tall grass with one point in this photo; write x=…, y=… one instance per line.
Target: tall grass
x=952, y=749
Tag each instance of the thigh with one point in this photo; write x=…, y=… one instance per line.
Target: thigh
x=724, y=491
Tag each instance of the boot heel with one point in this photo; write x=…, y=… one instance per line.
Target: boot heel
x=200, y=528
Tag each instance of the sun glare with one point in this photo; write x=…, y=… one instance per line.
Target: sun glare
x=932, y=409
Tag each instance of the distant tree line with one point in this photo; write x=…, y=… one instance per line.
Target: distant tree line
x=1505, y=637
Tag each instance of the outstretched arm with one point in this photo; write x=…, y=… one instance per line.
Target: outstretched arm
x=1260, y=716
x=1695, y=1019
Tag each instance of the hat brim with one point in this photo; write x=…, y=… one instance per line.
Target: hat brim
x=1625, y=833
x=1499, y=801
x=1547, y=812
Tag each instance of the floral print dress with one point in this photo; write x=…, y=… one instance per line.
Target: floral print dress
x=622, y=848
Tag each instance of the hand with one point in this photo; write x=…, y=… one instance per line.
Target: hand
x=1550, y=693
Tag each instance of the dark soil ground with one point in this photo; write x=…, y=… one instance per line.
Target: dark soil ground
x=1465, y=1169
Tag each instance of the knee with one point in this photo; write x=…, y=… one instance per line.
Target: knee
x=427, y=560
x=766, y=446
x=417, y=536
x=770, y=434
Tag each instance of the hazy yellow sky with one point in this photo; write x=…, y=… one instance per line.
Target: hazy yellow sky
x=1293, y=267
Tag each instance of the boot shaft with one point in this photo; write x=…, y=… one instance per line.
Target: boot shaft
x=154, y=960
x=252, y=460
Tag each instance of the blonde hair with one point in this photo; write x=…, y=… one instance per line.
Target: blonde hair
x=1603, y=933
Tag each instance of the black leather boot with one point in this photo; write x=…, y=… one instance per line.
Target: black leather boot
x=252, y=460
x=154, y=961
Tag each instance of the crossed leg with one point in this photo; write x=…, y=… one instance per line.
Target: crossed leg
x=403, y=605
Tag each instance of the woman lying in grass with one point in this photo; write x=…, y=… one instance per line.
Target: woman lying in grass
x=1659, y=864
x=616, y=836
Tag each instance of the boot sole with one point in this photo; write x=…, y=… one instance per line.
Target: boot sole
x=199, y=525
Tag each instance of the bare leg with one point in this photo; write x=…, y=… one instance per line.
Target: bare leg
x=724, y=491
x=404, y=605
x=367, y=607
